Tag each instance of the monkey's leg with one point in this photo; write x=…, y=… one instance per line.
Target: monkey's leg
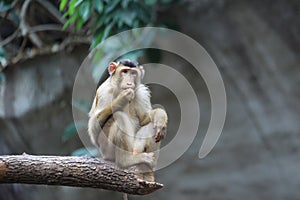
x=124, y=141
x=97, y=122
x=106, y=146
x=94, y=129
x=125, y=158
x=145, y=142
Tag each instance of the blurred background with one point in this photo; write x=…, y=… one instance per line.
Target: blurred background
x=255, y=45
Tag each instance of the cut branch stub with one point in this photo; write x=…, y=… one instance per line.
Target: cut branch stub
x=72, y=171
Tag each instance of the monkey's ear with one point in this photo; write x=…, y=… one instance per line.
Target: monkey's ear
x=112, y=68
x=142, y=71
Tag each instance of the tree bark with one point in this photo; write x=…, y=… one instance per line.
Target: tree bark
x=72, y=171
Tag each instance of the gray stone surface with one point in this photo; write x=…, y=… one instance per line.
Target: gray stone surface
x=256, y=47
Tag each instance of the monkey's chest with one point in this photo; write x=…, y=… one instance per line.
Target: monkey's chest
x=132, y=114
x=131, y=118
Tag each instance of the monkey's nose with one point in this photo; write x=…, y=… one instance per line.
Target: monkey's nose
x=130, y=85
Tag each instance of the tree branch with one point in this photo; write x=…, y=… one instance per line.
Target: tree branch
x=25, y=28
x=10, y=38
x=52, y=10
x=72, y=171
x=46, y=27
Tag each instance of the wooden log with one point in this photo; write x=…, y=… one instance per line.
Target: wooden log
x=72, y=171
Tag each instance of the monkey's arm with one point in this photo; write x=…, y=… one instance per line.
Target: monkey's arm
x=96, y=123
x=116, y=105
x=144, y=119
x=98, y=117
x=159, y=118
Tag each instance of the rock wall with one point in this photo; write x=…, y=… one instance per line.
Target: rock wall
x=255, y=45
x=35, y=107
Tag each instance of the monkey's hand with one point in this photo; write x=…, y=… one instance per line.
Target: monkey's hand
x=123, y=99
x=159, y=119
x=126, y=95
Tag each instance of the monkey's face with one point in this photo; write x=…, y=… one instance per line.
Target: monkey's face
x=129, y=78
x=126, y=77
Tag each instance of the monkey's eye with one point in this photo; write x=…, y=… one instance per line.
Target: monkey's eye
x=124, y=71
x=133, y=72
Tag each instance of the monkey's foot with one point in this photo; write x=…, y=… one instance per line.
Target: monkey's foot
x=144, y=172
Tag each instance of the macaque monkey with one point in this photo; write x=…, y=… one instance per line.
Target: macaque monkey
x=123, y=124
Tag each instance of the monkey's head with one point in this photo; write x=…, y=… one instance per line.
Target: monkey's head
x=126, y=74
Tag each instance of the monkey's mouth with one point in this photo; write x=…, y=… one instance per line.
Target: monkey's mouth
x=126, y=88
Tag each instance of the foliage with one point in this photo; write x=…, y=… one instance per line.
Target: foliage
x=105, y=17
x=3, y=57
x=71, y=130
x=91, y=152
x=116, y=46
x=94, y=20
x=85, y=21
x=5, y=5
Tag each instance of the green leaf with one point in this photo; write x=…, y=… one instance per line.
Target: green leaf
x=2, y=78
x=141, y=12
x=85, y=10
x=107, y=30
x=3, y=59
x=98, y=56
x=109, y=17
x=136, y=23
x=125, y=3
x=150, y=2
x=71, y=130
x=167, y=1
x=8, y=1
x=132, y=55
x=100, y=21
x=67, y=23
x=65, y=15
x=2, y=52
x=81, y=105
x=70, y=20
x=5, y=7
x=98, y=5
x=120, y=23
x=127, y=17
x=96, y=39
x=91, y=152
x=78, y=3
x=71, y=9
x=14, y=16
x=111, y=6
x=62, y=4
x=79, y=23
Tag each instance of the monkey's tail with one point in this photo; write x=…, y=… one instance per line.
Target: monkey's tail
x=125, y=197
